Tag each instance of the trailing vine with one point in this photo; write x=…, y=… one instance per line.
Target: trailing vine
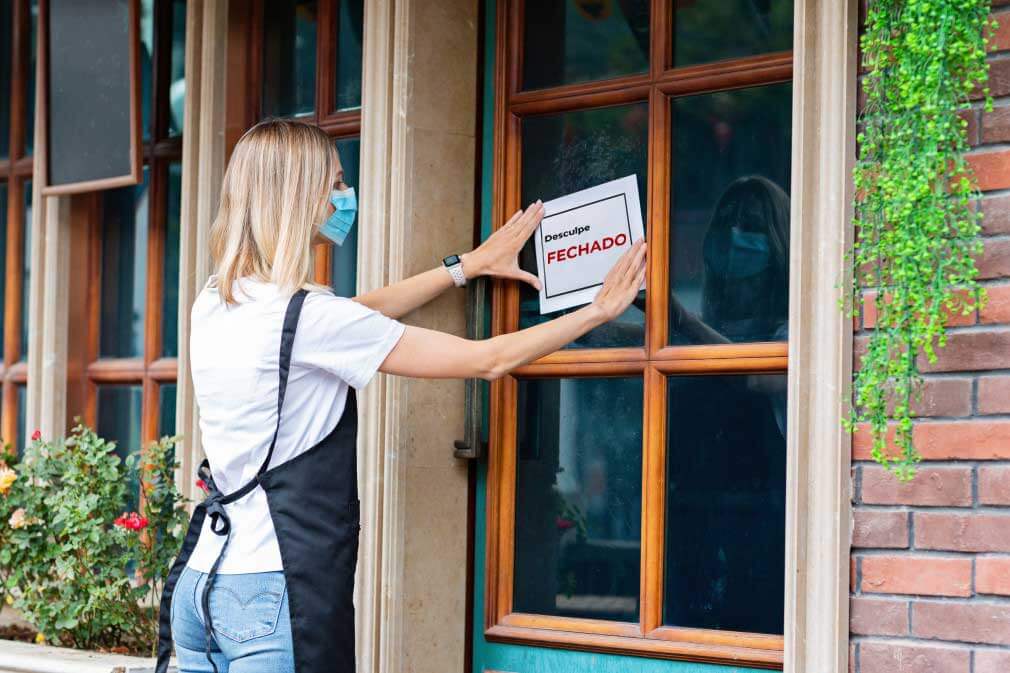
x=916, y=227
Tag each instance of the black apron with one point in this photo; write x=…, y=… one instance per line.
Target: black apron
x=315, y=510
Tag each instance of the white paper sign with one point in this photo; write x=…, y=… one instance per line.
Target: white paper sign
x=580, y=238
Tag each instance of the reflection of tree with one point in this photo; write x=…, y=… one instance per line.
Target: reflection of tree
x=707, y=31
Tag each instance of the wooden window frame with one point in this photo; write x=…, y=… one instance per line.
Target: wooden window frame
x=246, y=56
x=16, y=171
x=653, y=362
x=150, y=370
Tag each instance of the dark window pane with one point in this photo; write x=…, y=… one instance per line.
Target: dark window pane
x=725, y=502
x=579, y=498
x=26, y=272
x=6, y=52
x=3, y=255
x=20, y=436
x=170, y=268
x=289, y=58
x=564, y=153
x=713, y=31
x=166, y=409
x=146, y=64
x=124, y=270
x=119, y=408
x=570, y=41
x=177, y=74
x=30, y=80
x=729, y=230
x=344, y=265
x=349, y=34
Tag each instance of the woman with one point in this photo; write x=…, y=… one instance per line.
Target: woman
x=265, y=577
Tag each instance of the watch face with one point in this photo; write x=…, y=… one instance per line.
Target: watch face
x=451, y=260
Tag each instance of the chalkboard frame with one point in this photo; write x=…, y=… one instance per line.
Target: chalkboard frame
x=135, y=176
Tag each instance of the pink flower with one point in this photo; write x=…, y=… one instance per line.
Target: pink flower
x=131, y=521
x=37, y=435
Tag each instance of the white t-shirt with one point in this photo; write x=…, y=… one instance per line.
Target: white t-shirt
x=234, y=352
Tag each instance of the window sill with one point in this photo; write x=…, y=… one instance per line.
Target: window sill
x=17, y=657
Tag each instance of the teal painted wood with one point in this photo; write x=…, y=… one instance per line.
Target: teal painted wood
x=508, y=658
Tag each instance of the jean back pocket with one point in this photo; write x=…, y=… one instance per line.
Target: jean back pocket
x=248, y=606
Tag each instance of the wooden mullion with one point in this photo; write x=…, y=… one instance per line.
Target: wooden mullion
x=660, y=36
x=161, y=61
x=507, y=496
x=326, y=50
x=731, y=74
x=579, y=89
x=148, y=413
x=592, y=355
x=578, y=624
x=14, y=271
x=156, y=214
x=344, y=124
x=23, y=167
x=658, y=223
x=752, y=365
x=8, y=427
x=513, y=64
x=596, y=99
x=17, y=372
x=581, y=369
x=653, y=499
x=721, y=351
x=163, y=370
x=117, y=370
x=165, y=148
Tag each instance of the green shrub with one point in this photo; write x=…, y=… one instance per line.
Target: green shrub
x=85, y=573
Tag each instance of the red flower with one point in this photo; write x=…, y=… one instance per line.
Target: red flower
x=563, y=523
x=202, y=485
x=37, y=435
x=131, y=521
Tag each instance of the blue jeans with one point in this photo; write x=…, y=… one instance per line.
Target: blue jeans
x=252, y=627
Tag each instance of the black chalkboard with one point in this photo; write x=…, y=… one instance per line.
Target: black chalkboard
x=92, y=107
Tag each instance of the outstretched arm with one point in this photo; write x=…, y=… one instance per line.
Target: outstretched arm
x=424, y=353
x=497, y=256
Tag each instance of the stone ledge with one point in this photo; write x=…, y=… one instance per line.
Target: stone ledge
x=17, y=657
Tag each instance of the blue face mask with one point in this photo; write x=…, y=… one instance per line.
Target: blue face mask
x=748, y=254
x=338, y=225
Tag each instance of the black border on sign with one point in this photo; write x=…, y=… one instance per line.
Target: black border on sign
x=543, y=251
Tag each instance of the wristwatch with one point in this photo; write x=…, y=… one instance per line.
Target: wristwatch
x=454, y=265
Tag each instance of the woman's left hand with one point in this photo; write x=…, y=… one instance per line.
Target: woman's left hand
x=499, y=255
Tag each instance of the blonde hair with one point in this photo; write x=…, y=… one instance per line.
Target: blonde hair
x=273, y=200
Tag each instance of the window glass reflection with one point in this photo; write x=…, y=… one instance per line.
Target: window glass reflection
x=20, y=436
x=563, y=153
x=344, y=264
x=567, y=41
x=713, y=31
x=124, y=270
x=166, y=409
x=3, y=256
x=6, y=40
x=725, y=502
x=579, y=498
x=350, y=24
x=177, y=70
x=170, y=267
x=146, y=64
x=729, y=230
x=289, y=57
x=119, y=421
x=26, y=268
x=29, y=99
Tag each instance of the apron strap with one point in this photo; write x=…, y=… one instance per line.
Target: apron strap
x=214, y=505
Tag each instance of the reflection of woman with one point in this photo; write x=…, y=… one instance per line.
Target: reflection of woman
x=745, y=291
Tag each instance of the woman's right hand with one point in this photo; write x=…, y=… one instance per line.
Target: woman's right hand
x=622, y=283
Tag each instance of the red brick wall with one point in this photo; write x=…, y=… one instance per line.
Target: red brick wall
x=931, y=559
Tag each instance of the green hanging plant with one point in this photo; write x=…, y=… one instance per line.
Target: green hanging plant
x=916, y=224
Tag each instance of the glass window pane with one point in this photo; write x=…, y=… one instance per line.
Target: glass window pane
x=30, y=80
x=124, y=270
x=20, y=436
x=289, y=58
x=729, y=230
x=713, y=31
x=146, y=64
x=567, y=41
x=579, y=498
x=119, y=409
x=725, y=502
x=170, y=267
x=563, y=153
x=166, y=409
x=6, y=53
x=344, y=265
x=26, y=272
x=177, y=74
x=349, y=35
